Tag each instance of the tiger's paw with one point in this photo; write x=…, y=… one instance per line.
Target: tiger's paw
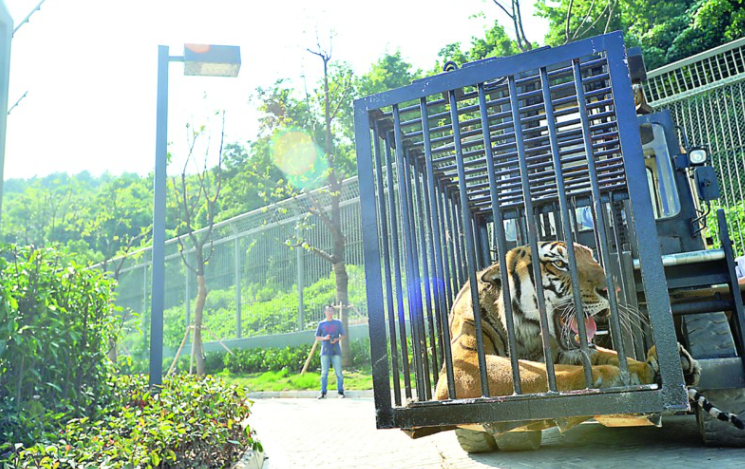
x=691, y=368
x=609, y=376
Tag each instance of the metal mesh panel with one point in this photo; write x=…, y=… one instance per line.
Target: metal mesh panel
x=250, y=265
x=706, y=94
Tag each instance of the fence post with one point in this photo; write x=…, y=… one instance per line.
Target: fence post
x=300, y=286
x=237, y=264
x=144, y=289
x=188, y=300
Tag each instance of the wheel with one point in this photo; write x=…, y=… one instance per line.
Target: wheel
x=519, y=441
x=475, y=442
x=715, y=432
x=709, y=336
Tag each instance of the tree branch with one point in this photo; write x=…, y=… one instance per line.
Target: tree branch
x=341, y=100
x=318, y=252
x=320, y=212
x=569, y=16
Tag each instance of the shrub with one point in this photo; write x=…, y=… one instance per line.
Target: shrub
x=190, y=423
x=735, y=221
x=55, y=323
x=255, y=360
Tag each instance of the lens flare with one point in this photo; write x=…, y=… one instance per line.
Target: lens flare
x=299, y=158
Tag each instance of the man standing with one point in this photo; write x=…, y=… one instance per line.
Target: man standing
x=330, y=332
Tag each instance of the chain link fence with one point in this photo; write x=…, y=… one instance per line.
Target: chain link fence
x=258, y=284
x=706, y=95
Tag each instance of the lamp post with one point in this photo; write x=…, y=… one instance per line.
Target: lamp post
x=6, y=34
x=199, y=60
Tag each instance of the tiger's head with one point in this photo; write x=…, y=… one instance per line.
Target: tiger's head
x=559, y=298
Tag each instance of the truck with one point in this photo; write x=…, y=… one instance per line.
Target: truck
x=555, y=144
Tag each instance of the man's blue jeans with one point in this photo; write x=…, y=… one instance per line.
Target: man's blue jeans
x=326, y=361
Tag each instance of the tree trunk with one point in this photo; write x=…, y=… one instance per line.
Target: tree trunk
x=198, y=315
x=112, y=350
x=342, y=297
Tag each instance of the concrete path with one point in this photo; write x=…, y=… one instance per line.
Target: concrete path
x=340, y=433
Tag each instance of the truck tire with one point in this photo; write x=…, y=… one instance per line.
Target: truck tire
x=715, y=432
x=475, y=442
x=709, y=336
x=519, y=441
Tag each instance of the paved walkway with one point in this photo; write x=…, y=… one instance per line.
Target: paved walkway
x=341, y=433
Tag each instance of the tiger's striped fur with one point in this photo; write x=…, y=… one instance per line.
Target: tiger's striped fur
x=559, y=303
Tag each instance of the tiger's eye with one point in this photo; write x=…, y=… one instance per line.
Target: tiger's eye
x=561, y=265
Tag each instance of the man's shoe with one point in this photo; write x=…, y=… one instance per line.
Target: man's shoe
x=322, y=396
x=341, y=395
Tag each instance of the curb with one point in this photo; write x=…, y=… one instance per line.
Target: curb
x=250, y=460
x=305, y=394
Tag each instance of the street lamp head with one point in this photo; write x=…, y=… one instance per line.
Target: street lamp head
x=208, y=60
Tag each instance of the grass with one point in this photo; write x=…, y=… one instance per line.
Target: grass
x=354, y=379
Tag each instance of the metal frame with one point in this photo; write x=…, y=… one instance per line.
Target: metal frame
x=583, y=148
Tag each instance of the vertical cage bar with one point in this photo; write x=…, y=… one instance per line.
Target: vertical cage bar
x=411, y=291
x=501, y=243
x=458, y=227
x=411, y=180
x=532, y=234
x=599, y=223
x=438, y=271
x=397, y=264
x=653, y=274
x=371, y=241
x=483, y=240
x=425, y=231
x=564, y=209
x=386, y=239
x=469, y=243
x=447, y=270
x=452, y=247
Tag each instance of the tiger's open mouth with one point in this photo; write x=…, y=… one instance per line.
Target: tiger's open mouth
x=569, y=330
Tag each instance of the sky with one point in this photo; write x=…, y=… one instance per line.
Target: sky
x=89, y=67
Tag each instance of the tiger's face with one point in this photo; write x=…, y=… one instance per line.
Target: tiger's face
x=559, y=298
x=557, y=288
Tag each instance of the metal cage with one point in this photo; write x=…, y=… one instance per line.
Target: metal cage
x=456, y=169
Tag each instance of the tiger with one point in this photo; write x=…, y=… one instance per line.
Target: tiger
x=562, y=328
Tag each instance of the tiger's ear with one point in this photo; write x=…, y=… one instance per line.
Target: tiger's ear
x=492, y=275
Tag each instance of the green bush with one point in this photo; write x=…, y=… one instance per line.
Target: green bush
x=735, y=220
x=191, y=423
x=255, y=360
x=55, y=326
x=266, y=310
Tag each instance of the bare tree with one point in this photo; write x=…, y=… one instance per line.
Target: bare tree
x=590, y=19
x=330, y=215
x=198, y=202
x=512, y=9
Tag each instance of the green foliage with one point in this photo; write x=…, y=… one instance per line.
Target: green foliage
x=265, y=309
x=666, y=30
x=735, y=222
x=55, y=326
x=284, y=380
x=494, y=43
x=255, y=360
x=190, y=423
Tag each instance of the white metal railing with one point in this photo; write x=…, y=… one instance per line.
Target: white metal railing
x=697, y=74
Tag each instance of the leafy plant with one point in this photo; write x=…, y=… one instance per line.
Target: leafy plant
x=190, y=423
x=55, y=326
x=735, y=215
